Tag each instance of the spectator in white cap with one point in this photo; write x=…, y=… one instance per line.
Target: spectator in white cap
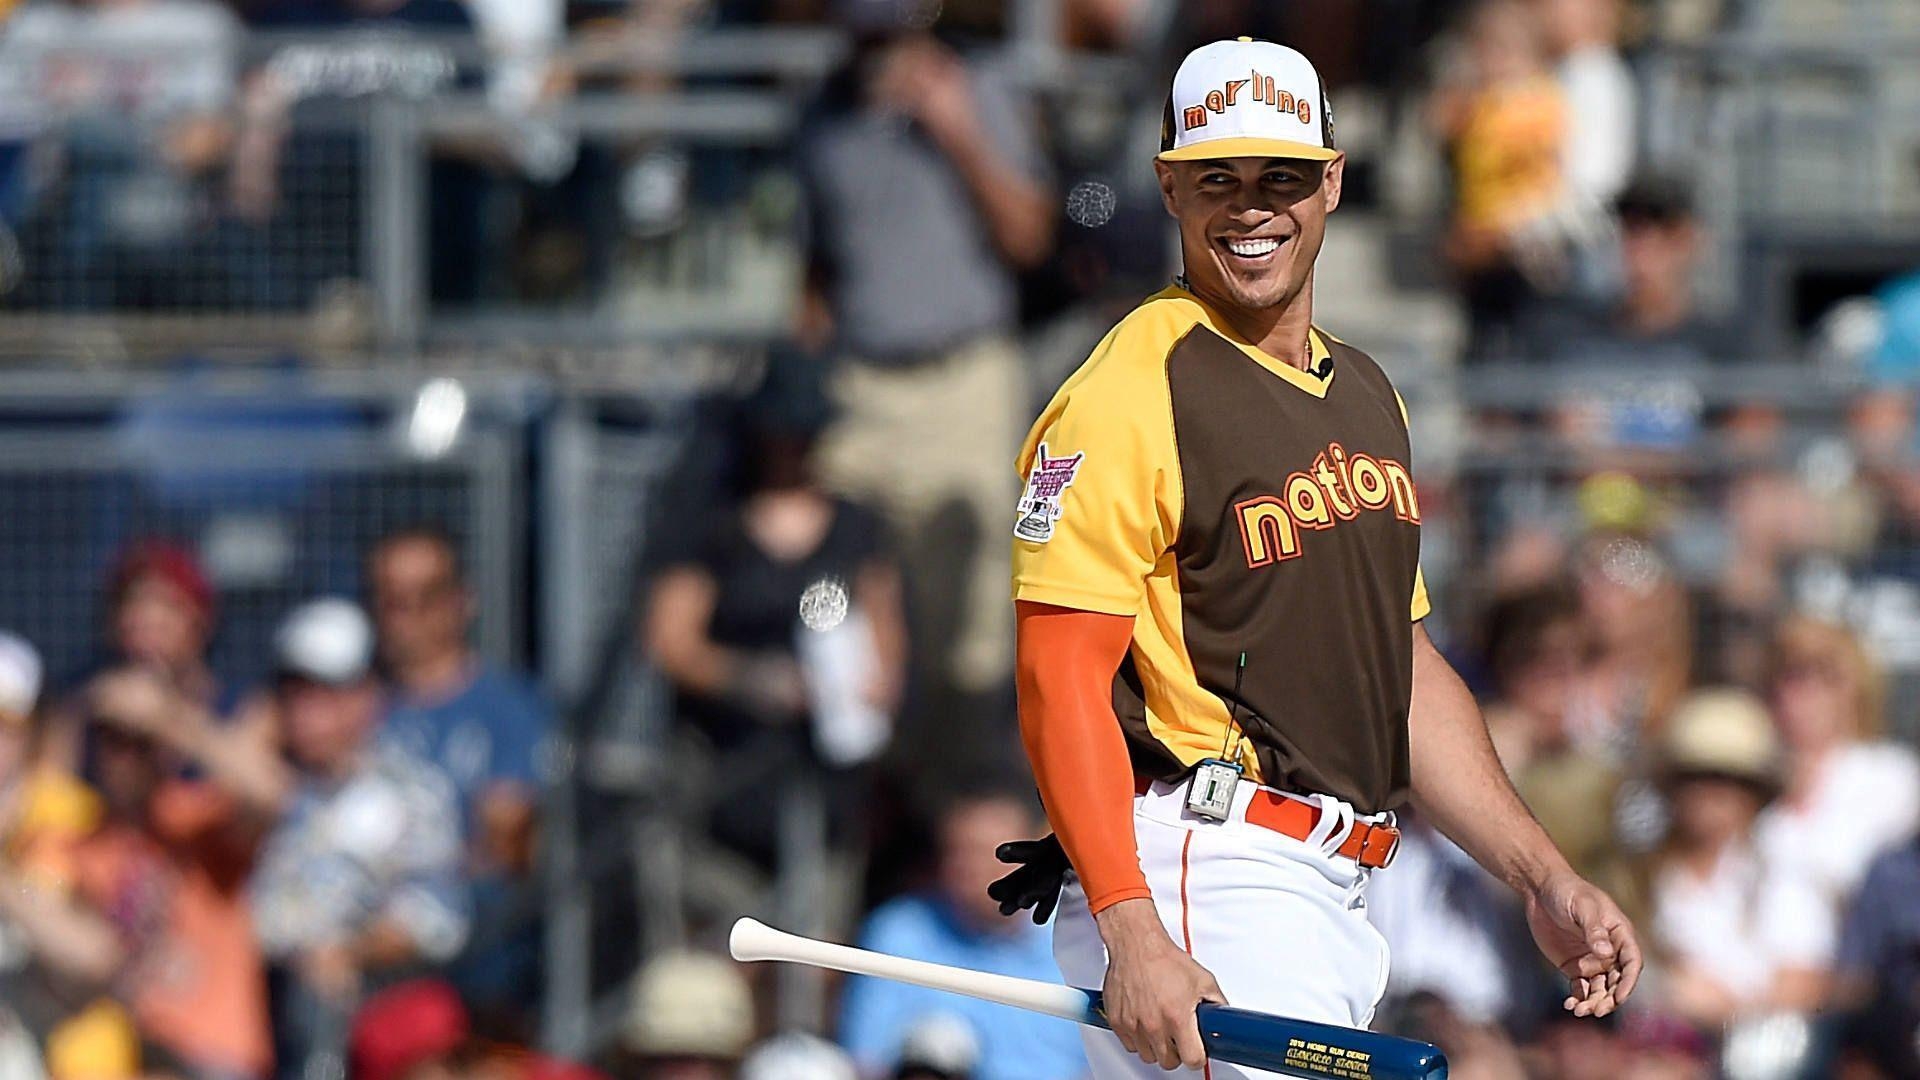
x=691, y=1018
x=794, y=1056
x=940, y=1046
x=359, y=884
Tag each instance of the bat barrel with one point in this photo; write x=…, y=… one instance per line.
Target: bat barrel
x=1305, y=1049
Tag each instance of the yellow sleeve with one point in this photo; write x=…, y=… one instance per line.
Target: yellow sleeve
x=1422, y=606
x=1101, y=501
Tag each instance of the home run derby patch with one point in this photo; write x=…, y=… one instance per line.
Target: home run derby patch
x=1040, y=505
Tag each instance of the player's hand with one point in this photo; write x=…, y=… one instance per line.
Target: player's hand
x=1583, y=932
x=1153, y=988
x=1039, y=873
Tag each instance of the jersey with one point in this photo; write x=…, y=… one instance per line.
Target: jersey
x=1230, y=503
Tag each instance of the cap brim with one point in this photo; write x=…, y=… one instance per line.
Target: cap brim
x=1209, y=149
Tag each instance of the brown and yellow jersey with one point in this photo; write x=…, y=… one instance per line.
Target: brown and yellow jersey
x=1231, y=503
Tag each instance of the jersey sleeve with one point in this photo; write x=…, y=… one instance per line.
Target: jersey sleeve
x=1422, y=606
x=1102, y=498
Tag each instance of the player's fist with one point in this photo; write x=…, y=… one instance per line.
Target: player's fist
x=1153, y=988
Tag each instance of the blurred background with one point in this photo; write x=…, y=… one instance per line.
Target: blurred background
x=491, y=490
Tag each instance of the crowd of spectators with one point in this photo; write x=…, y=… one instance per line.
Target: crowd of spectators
x=209, y=880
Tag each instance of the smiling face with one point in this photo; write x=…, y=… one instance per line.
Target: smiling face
x=1250, y=228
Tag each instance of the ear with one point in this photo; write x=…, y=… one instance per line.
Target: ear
x=1336, y=173
x=1165, y=174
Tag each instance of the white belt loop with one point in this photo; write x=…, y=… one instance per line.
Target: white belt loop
x=1334, y=824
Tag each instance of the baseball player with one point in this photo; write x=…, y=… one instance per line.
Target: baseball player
x=1225, y=687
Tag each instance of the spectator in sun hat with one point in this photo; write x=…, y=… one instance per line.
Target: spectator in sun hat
x=1735, y=935
x=359, y=883
x=691, y=1018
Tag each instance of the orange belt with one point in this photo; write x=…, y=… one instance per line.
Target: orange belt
x=1371, y=844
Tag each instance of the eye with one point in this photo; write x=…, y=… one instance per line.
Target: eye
x=1285, y=176
x=1216, y=178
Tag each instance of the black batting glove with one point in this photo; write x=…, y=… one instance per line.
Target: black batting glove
x=1039, y=873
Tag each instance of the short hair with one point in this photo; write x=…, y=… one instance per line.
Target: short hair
x=1655, y=199
x=423, y=532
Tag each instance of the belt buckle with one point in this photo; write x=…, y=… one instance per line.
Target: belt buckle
x=1371, y=845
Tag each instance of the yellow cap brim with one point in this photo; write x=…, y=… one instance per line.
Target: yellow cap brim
x=1208, y=149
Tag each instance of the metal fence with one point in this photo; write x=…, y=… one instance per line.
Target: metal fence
x=279, y=483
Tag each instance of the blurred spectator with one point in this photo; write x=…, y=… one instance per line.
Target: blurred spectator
x=1448, y=925
x=138, y=94
x=691, y=1019
x=784, y=631
x=1736, y=934
x=419, y=1030
x=1504, y=121
x=155, y=912
x=359, y=883
x=794, y=1056
x=1540, y=652
x=1877, y=969
x=160, y=615
x=486, y=729
x=1655, y=321
x=44, y=810
x=956, y=923
x=1584, y=38
x=927, y=179
x=939, y=1048
x=1847, y=795
x=1641, y=620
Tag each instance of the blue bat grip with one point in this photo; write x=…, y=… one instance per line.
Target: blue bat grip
x=1306, y=1049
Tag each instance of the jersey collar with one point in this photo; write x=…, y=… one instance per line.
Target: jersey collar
x=1315, y=382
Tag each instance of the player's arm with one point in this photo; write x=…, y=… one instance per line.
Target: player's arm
x=1101, y=507
x=1459, y=784
x=1066, y=660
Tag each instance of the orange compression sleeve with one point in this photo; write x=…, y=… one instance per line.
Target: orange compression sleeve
x=1065, y=669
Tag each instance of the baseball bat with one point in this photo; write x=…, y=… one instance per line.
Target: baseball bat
x=1241, y=1036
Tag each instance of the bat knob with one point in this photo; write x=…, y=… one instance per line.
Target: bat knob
x=751, y=939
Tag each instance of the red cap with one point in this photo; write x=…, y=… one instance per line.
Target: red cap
x=171, y=563
x=541, y=1067
x=404, y=1026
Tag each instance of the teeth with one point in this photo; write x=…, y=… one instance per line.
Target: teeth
x=1253, y=249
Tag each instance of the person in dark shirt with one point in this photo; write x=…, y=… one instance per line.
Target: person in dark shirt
x=728, y=623
x=1654, y=320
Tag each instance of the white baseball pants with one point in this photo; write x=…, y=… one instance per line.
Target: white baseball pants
x=1281, y=923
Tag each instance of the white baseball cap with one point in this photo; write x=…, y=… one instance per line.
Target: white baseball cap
x=1246, y=98
x=20, y=675
x=328, y=641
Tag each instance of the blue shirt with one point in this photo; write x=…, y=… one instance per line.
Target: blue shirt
x=490, y=731
x=1014, y=1044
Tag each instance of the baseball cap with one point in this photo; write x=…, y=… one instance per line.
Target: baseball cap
x=170, y=562
x=20, y=676
x=327, y=641
x=690, y=1004
x=1246, y=98
x=940, y=1043
x=797, y=1056
x=403, y=1026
